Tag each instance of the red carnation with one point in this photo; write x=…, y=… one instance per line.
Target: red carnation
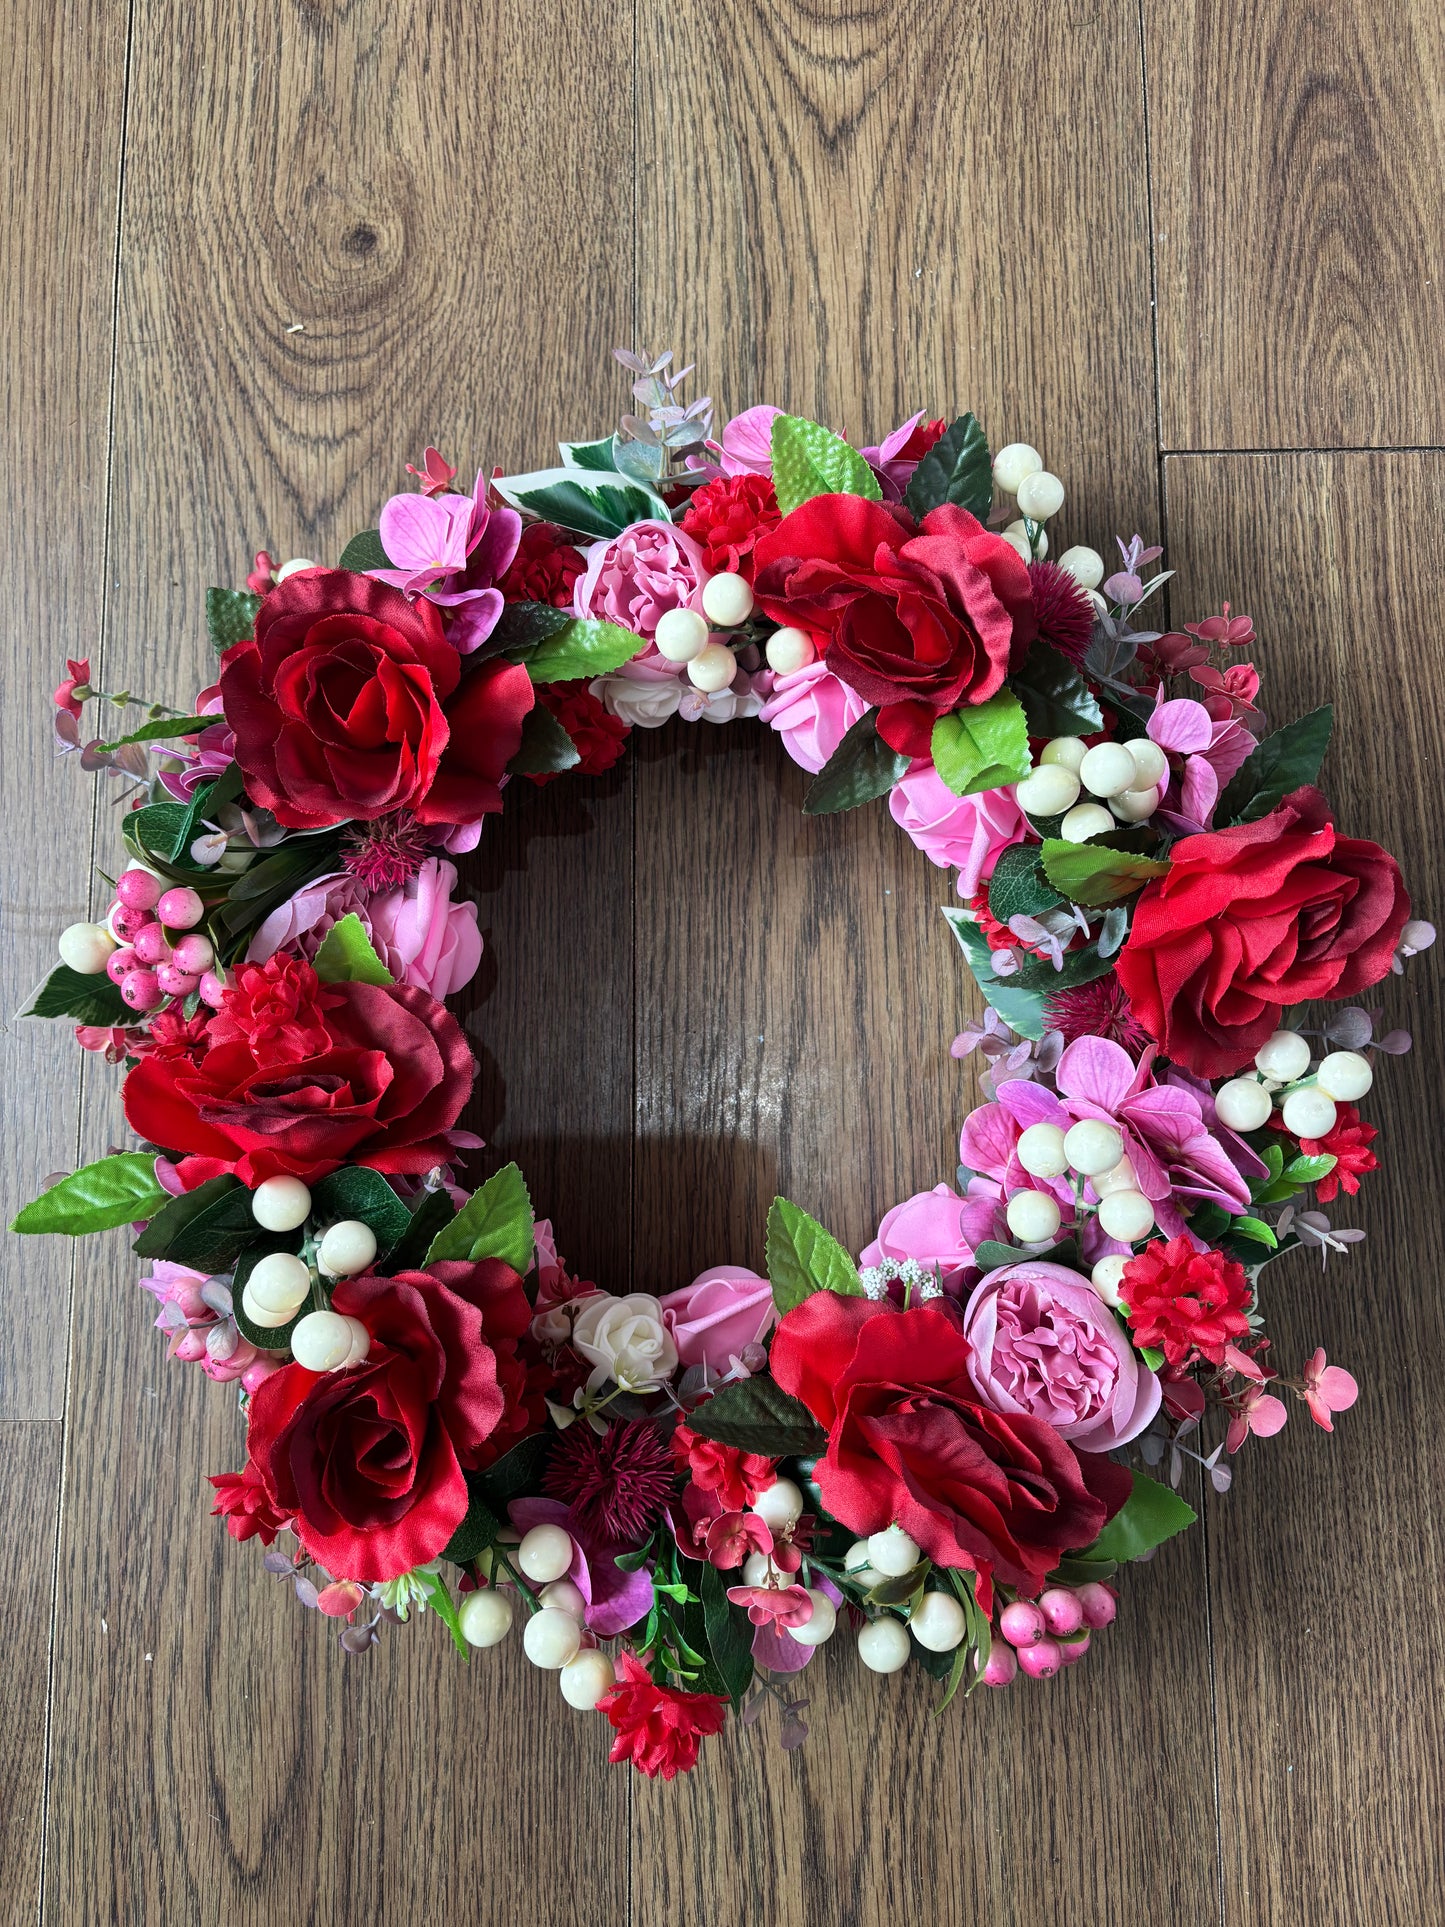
x=244, y=1501
x=918, y=618
x=299, y=1077
x=1182, y=1301
x=1348, y=1143
x=545, y=567
x=729, y=517
x=909, y=1441
x=657, y=1728
x=369, y=1462
x=349, y=702
x=737, y=1477
x=598, y=737
x=1252, y=919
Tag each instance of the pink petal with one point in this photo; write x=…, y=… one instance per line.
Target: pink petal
x=1097, y=1070
x=1338, y=1388
x=1267, y=1415
x=1181, y=725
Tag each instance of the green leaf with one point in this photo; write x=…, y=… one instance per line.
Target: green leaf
x=433, y=1212
x=230, y=615
x=347, y=957
x=581, y=648
x=1080, y=967
x=956, y=469
x=113, y=1191
x=524, y=624
x=758, y=1415
x=1095, y=875
x=1056, y=699
x=902, y=1590
x=982, y=748
x=207, y=800
x=207, y=1228
x=1018, y=886
x=154, y=833
x=357, y=1192
x=88, y=999
x=803, y=1258
x=1151, y=1514
x=991, y=1254
x=1255, y=1230
x=593, y=455
x=729, y=1635
x=1289, y=758
x=586, y=501
x=860, y=768
x=365, y=552
x=1152, y=1357
x=495, y=1222
x=477, y=1531
x=810, y=460
x=160, y=727
x=546, y=747
x=1021, y=1007
x=516, y=1473
x=443, y=1605
x=1306, y=1170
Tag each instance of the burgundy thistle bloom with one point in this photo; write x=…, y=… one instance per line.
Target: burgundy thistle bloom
x=1099, y=1009
x=1064, y=611
x=388, y=853
x=616, y=1483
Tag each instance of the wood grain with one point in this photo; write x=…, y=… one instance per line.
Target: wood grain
x=60, y=146
x=344, y=233
x=29, y=1480
x=1298, y=161
x=843, y=240
x=1329, y=1663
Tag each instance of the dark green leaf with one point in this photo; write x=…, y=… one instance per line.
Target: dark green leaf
x=758, y=1415
x=584, y=500
x=207, y=1228
x=1022, y=1008
x=803, y=1258
x=434, y=1210
x=364, y=552
x=477, y=1531
x=230, y=615
x=515, y=1474
x=729, y=1635
x=155, y=832
x=582, y=648
x=346, y=955
x=1080, y=967
x=1151, y=1514
x=258, y=891
x=88, y=999
x=546, y=747
x=900, y=1591
x=860, y=768
x=1095, y=875
x=991, y=1254
x=161, y=727
x=356, y=1192
x=113, y=1191
x=1074, y=1570
x=982, y=748
x=1056, y=699
x=1018, y=886
x=495, y=1222
x=956, y=469
x=1289, y=758
x=202, y=807
x=524, y=624
x=810, y=460
x=593, y=455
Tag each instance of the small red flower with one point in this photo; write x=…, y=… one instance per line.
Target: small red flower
x=658, y=1729
x=1348, y=1143
x=245, y=1503
x=77, y=677
x=737, y=1477
x=1183, y=1301
x=544, y=569
x=732, y=1537
x=773, y=1605
x=728, y=518
x=435, y=474
x=598, y=737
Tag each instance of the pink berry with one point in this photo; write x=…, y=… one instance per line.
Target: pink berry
x=175, y=982
x=141, y=991
x=261, y=1368
x=1061, y=1609
x=194, y=953
x=180, y=909
x=138, y=889
x=1099, y=1605
x=151, y=946
x=125, y=922
x=1022, y=1624
x=1002, y=1668
x=1041, y=1661
x=213, y=990
x=1071, y=1651
x=119, y=962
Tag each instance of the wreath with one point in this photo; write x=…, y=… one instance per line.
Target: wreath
x=950, y=1443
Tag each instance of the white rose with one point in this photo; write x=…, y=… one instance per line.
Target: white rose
x=722, y=706
x=624, y=1339
x=646, y=705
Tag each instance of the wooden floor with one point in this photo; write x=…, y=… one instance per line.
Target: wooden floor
x=257, y=253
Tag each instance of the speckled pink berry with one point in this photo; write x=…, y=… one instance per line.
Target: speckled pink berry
x=151, y=946
x=125, y=922
x=1041, y=1661
x=1099, y=1605
x=1071, y=1651
x=1062, y=1610
x=1002, y=1668
x=177, y=983
x=141, y=991
x=138, y=889
x=1022, y=1624
x=194, y=953
x=180, y=909
x=213, y=991
x=120, y=963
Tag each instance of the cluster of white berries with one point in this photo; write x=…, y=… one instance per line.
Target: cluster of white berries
x=1307, y=1104
x=1128, y=777
x=280, y=1283
x=1095, y=1151
x=554, y=1634
x=937, y=1621
x=915, y=1278
x=688, y=636
x=1018, y=470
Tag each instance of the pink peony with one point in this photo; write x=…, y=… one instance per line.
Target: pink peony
x=928, y=1227
x=422, y=937
x=636, y=577
x=966, y=833
x=715, y=1318
x=812, y=710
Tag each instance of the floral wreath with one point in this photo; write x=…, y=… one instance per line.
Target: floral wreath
x=681, y=1499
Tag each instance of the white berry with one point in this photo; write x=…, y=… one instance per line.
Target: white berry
x=550, y=1639
x=280, y=1204
x=485, y=1617
x=346, y=1249
x=1345, y=1075
x=1032, y=547
x=892, y=1552
x=1135, y=806
x=1083, y=821
x=1107, y=1277
x=565, y=1595
x=1107, y=770
x=856, y=1564
x=1118, y=1177
x=1091, y=1145
x=586, y=1678
x=883, y=1645
x=1243, y=1104
x=1284, y=1057
x=818, y=1629
x=727, y=600
x=937, y=1622
x=293, y=567
x=713, y=669
x=86, y=948
x=1151, y=765
x=1085, y=565
x=1040, y=495
x=789, y=650
x=780, y=1506
x=756, y=1568
x=681, y=634
x=1068, y=751
x=545, y=1553
x=1041, y=1151
x=1047, y=791
x=1012, y=463
x=1033, y=1216
x=1126, y=1215
x=1309, y=1112
x=325, y=1341
x=278, y=1284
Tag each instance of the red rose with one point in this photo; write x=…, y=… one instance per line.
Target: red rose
x=916, y=620
x=1252, y=919
x=908, y=1441
x=301, y=1077
x=349, y=702
x=657, y=1728
x=598, y=737
x=544, y=569
x=369, y=1462
x=728, y=518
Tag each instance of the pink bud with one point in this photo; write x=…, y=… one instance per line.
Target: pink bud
x=1071, y=1651
x=151, y=946
x=119, y=962
x=1062, y=1610
x=213, y=990
x=141, y=991
x=1099, y=1605
x=256, y=1373
x=138, y=889
x=194, y=953
x=1022, y=1624
x=1041, y=1661
x=125, y=922
x=179, y=909
x=1002, y=1668
x=190, y=1346
x=177, y=983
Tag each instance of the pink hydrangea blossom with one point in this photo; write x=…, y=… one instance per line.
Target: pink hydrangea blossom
x=453, y=550
x=1327, y=1388
x=195, y=1315
x=966, y=833
x=1211, y=751
x=747, y=442
x=633, y=579
x=715, y=1318
x=812, y=710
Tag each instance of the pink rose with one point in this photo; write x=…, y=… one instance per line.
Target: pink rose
x=928, y=1227
x=715, y=1318
x=1046, y=1346
x=424, y=938
x=812, y=710
x=966, y=833
x=636, y=577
